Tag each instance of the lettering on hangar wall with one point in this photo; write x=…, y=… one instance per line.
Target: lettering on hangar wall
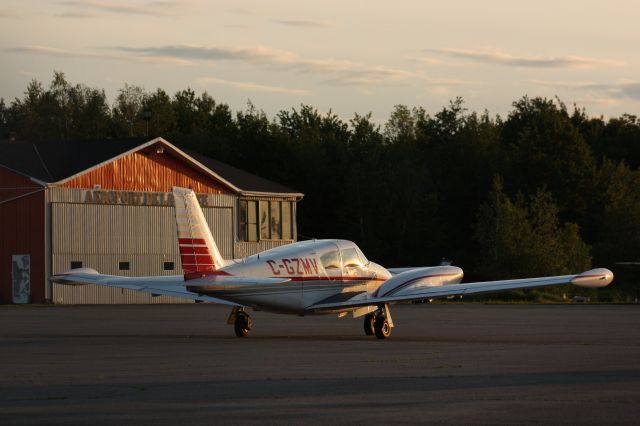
x=97, y=196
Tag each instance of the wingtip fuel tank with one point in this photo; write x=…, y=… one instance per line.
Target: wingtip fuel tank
x=594, y=278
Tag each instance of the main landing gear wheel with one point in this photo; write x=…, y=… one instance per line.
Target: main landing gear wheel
x=242, y=324
x=382, y=327
x=369, y=324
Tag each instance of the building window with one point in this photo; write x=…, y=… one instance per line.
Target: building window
x=287, y=224
x=266, y=220
x=274, y=220
x=75, y=264
x=248, y=220
x=123, y=266
x=168, y=266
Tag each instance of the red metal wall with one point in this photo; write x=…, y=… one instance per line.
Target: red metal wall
x=22, y=231
x=149, y=171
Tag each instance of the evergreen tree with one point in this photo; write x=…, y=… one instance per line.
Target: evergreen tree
x=525, y=238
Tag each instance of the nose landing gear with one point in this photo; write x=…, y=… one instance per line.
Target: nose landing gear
x=382, y=327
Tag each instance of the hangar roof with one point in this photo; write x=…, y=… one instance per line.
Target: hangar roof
x=240, y=178
x=57, y=162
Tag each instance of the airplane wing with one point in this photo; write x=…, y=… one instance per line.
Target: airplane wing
x=414, y=285
x=162, y=285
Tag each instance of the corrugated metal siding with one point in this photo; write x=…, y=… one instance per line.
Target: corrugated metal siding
x=102, y=236
x=148, y=171
x=73, y=195
x=244, y=249
x=22, y=231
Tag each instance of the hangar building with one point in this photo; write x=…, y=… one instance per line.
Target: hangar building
x=107, y=205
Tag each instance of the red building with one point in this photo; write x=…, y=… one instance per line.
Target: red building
x=108, y=205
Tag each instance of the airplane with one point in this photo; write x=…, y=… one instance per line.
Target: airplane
x=308, y=277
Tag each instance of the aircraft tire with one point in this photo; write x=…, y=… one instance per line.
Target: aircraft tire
x=382, y=327
x=369, y=324
x=242, y=325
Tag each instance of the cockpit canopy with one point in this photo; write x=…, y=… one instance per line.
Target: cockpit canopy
x=334, y=255
x=342, y=254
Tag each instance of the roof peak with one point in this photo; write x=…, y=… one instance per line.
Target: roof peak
x=49, y=162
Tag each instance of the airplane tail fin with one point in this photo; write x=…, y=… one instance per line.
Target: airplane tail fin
x=199, y=253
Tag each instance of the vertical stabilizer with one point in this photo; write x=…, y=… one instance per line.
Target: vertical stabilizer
x=198, y=251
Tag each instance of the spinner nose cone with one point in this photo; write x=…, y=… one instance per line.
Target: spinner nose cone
x=595, y=278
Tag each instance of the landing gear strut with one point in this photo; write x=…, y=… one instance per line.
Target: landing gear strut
x=241, y=322
x=379, y=322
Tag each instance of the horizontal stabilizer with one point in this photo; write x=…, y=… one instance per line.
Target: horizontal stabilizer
x=173, y=285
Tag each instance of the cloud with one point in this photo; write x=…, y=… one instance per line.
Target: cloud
x=336, y=72
x=258, y=54
x=62, y=53
x=621, y=90
x=426, y=61
x=301, y=23
x=75, y=15
x=52, y=51
x=499, y=57
x=252, y=87
x=153, y=8
x=333, y=71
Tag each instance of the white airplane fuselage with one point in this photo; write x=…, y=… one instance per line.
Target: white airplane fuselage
x=315, y=271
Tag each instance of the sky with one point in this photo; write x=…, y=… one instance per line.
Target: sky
x=341, y=56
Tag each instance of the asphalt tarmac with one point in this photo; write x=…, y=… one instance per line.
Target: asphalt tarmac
x=447, y=364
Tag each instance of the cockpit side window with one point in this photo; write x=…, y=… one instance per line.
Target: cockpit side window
x=330, y=260
x=350, y=258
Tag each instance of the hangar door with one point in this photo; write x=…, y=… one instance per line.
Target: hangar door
x=123, y=240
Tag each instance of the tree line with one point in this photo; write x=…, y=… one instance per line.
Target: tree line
x=545, y=190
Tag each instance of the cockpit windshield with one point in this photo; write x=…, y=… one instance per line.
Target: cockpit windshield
x=362, y=257
x=330, y=260
x=351, y=259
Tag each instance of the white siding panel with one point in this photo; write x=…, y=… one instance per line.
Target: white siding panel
x=101, y=236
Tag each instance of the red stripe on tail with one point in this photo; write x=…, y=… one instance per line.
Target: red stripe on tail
x=194, y=250
x=200, y=259
x=192, y=241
